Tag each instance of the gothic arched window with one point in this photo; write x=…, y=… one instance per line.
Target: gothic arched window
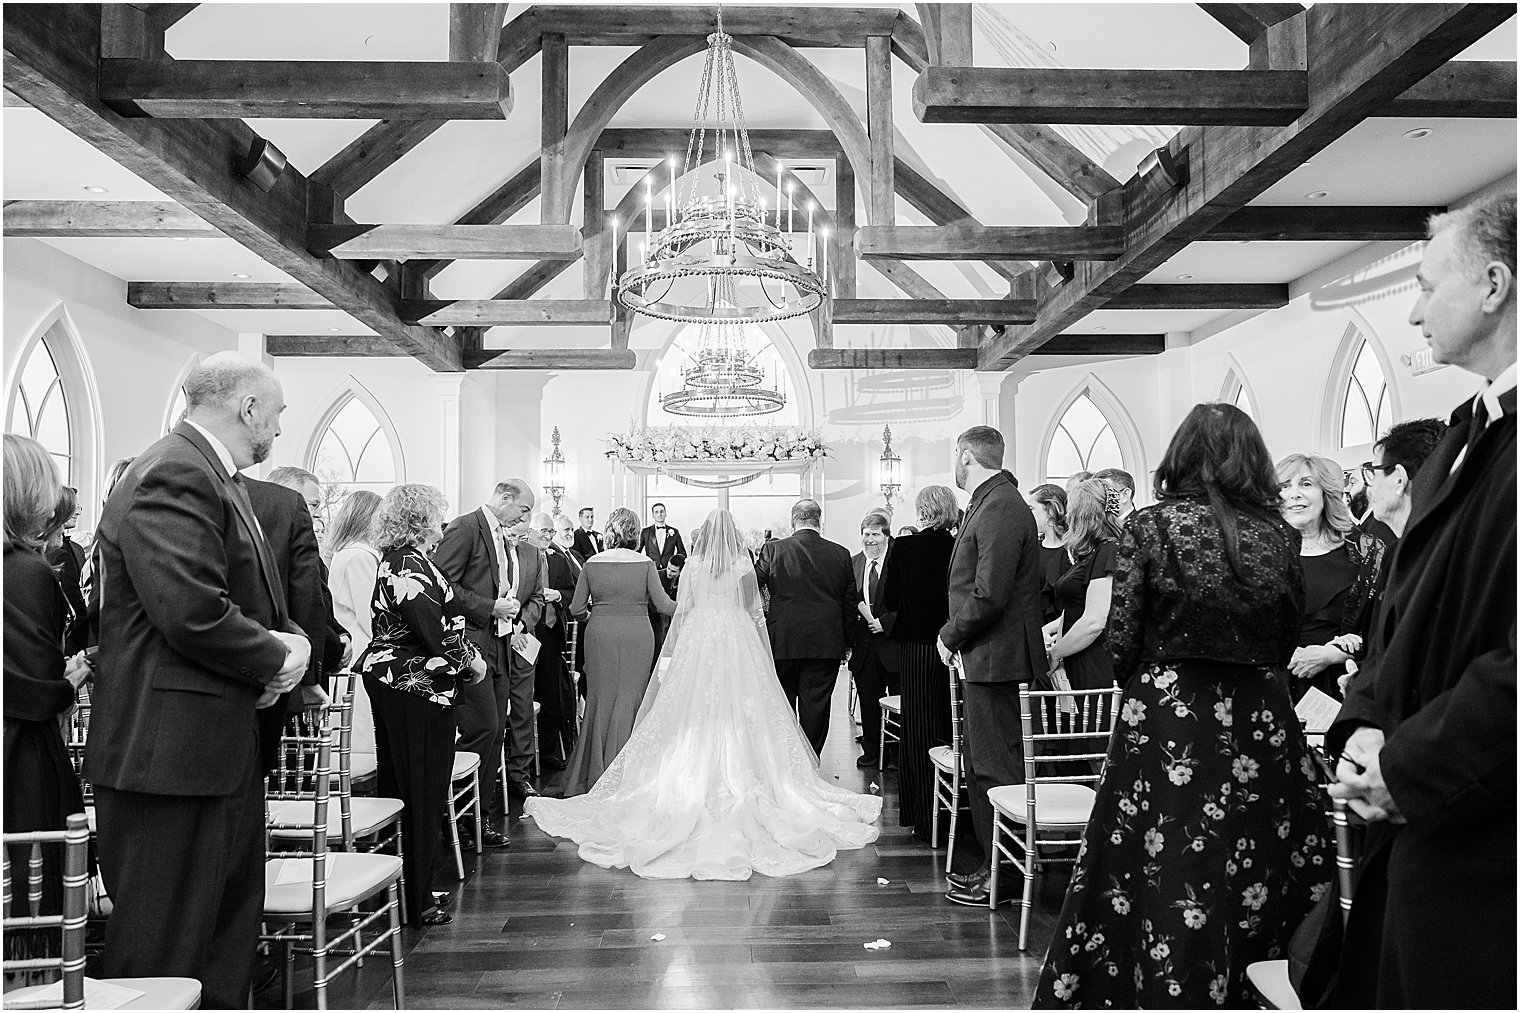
x=40, y=408
x=352, y=451
x=1083, y=440
x=1366, y=409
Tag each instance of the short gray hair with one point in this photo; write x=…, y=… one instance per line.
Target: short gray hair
x=292, y=477
x=807, y=513
x=513, y=487
x=937, y=507
x=223, y=378
x=1485, y=231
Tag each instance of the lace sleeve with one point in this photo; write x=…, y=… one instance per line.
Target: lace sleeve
x=1126, y=617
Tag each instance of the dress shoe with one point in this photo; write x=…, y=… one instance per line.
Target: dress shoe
x=971, y=896
x=866, y=761
x=442, y=898
x=966, y=880
x=437, y=916
x=494, y=839
x=523, y=789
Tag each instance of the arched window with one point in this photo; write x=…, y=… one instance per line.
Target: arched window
x=1235, y=393
x=176, y=409
x=1366, y=409
x=352, y=451
x=40, y=408
x=1083, y=440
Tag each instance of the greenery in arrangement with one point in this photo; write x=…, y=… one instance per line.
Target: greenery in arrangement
x=717, y=443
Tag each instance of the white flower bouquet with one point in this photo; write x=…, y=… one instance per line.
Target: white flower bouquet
x=717, y=443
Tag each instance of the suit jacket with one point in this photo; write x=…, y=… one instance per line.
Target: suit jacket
x=994, y=588
x=188, y=595
x=864, y=643
x=469, y=555
x=283, y=515
x=564, y=569
x=674, y=554
x=812, y=595
x=588, y=543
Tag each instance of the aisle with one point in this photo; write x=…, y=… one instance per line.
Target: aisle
x=537, y=928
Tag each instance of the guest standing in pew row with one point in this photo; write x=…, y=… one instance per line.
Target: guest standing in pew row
x=874, y=656
x=1207, y=842
x=1049, y=505
x=413, y=669
x=195, y=638
x=1426, y=738
x=351, y=581
x=67, y=559
x=1086, y=589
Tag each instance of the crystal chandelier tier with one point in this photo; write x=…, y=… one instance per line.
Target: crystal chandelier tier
x=723, y=261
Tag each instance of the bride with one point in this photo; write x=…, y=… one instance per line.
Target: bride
x=717, y=780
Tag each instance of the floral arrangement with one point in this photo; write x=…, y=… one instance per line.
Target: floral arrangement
x=717, y=443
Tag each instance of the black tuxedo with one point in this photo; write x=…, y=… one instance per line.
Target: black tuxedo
x=553, y=688
x=588, y=543
x=995, y=614
x=188, y=594
x=1434, y=919
x=673, y=554
x=811, y=583
x=875, y=658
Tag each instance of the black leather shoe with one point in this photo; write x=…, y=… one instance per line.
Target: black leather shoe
x=866, y=761
x=494, y=839
x=972, y=896
x=522, y=789
x=966, y=880
x=437, y=917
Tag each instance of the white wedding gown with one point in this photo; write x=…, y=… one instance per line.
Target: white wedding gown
x=717, y=780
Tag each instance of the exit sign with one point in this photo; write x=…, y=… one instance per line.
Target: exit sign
x=1421, y=362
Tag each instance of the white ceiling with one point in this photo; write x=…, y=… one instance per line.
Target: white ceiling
x=465, y=160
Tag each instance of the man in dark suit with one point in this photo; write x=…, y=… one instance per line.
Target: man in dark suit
x=588, y=540
x=553, y=688
x=1426, y=738
x=283, y=509
x=475, y=555
x=662, y=543
x=994, y=625
x=874, y=656
x=812, y=603
x=194, y=639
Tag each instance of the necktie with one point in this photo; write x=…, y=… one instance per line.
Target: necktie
x=511, y=563
x=1475, y=427
x=261, y=545
x=871, y=581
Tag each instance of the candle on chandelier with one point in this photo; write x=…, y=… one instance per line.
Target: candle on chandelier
x=788, y=209
x=612, y=267
x=649, y=208
x=778, y=198
x=823, y=244
x=809, y=247
x=675, y=168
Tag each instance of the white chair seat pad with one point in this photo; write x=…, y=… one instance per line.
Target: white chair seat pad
x=157, y=993
x=350, y=879
x=366, y=816
x=363, y=764
x=1270, y=978
x=943, y=757
x=1055, y=805
x=891, y=703
x=465, y=764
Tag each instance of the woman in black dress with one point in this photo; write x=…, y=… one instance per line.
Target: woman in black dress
x=41, y=790
x=1207, y=843
x=1314, y=502
x=915, y=603
x=1049, y=505
x=1085, y=590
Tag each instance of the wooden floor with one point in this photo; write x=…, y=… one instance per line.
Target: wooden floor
x=537, y=928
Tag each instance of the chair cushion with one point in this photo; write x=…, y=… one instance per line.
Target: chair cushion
x=891, y=703
x=943, y=757
x=1270, y=978
x=1055, y=805
x=366, y=815
x=350, y=879
x=157, y=993
x=465, y=764
x=363, y=764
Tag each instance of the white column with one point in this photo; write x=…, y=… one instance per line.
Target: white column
x=447, y=387
x=989, y=389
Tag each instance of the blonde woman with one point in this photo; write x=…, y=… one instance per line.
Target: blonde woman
x=1313, y=493
x=1086, y=590
x=351, y=580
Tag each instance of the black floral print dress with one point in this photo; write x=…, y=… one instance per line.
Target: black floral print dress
x=419, y=645
x=1208, y=843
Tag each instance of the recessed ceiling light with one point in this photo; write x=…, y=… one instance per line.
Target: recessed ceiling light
x=96, y=189
x=1101, y=327
x=1418, y=134
x=239, y=274
x=1184, y=277
x=181, y=239
x=1317, y=194
x=334, y=330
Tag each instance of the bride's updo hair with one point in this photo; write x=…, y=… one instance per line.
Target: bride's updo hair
x=622, y=529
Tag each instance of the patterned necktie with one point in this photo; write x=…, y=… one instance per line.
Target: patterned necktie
x=871, y=581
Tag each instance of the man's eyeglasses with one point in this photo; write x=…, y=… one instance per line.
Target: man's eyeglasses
x=1368, y=468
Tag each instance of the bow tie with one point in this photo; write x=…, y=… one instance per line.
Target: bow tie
x=661, y=527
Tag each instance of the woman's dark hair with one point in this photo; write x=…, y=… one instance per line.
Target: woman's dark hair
x=1217, y=454
x=1053, y=499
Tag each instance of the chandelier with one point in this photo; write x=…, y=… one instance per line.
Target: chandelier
x=723, y=261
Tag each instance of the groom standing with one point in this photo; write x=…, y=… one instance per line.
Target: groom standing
x=662, y=543
x=812, y=587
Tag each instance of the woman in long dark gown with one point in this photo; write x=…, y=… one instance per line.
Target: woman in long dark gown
x=1208, y=842
x=1085, y=589
x=618, y=587
x=915, y=603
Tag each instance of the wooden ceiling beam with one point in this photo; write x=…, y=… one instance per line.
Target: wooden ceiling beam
x=992, y=242
x=475, y=31
x=1066, y=164
x=532, y=280
x=950, y=312
x=223, y=295
x=1200, y=297
x=502, y=312
x=1103, y=344
x=309, y=89
x=1228, y=167
x=1344, y=224
x=1248, y=22
x=1462, y=89
x=942, y=209
x=551, y=358
x=498, y=206
x=892, y=358
x=637, y=25
x=329, y=345
x=947, y=31
x=908, y=281
x=1061, y=95
x=448, y=242
x=99, y=219
x=881, y=195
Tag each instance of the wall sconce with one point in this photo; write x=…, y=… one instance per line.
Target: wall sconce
x=554, y=472
x=889, y=473
x=1160, y=167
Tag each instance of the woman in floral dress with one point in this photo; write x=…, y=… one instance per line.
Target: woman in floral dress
x=412, y=668
x=1208, y=843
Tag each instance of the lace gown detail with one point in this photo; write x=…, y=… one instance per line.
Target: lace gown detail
x=717, y=780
